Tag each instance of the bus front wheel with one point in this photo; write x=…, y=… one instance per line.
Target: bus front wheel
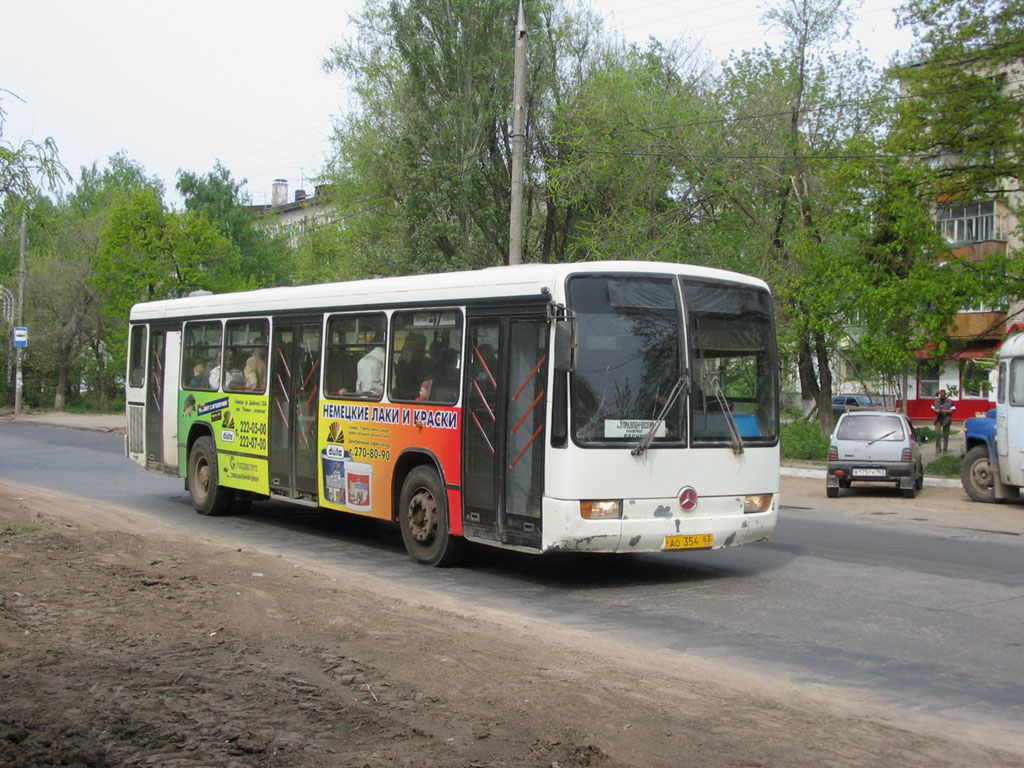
x=976, y=474
x=423, y=518
x=208, y=496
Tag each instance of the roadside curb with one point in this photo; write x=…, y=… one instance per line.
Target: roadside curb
x=819, y=474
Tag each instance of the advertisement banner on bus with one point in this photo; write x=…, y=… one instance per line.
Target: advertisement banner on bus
x=240, y=430
x=359, y=443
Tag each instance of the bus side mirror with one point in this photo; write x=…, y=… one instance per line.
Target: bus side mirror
x=565, y=345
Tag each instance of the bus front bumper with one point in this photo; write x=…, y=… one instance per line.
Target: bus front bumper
x=656, y=525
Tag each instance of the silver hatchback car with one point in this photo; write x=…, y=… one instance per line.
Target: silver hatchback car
x=875, y=446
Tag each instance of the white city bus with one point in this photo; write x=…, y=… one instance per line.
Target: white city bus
x=598, y=406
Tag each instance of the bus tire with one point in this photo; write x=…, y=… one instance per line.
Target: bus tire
x=208, y=496
x=976, y=474
x=423, y=518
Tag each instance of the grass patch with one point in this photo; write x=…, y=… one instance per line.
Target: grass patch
x=946, y=465
x=802, y=441
x=9, y=533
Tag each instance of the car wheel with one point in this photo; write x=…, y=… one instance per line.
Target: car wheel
x=844, y=482
x=911, y=492
x=919, y=482
x=976, y=474
x=831, y=492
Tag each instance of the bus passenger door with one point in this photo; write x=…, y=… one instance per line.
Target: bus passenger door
x=504, y=429
x=294, y=372
x=155, y=384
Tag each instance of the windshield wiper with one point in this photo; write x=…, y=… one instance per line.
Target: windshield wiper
x=872, y=442
x=645, y=442
x=736, y=440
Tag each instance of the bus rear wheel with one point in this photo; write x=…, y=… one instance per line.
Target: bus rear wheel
x=976, y=474
x=208, y=496
x=423, y=518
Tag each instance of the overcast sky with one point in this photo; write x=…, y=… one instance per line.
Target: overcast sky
x=182, y=85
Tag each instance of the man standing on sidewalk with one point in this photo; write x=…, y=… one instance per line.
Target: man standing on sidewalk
x=943, y=408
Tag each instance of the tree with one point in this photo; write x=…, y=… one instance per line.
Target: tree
x=962, y=95
x=264, y=260
x=22, y=165
x=618, y=168
x=422, y=167
x=149, y=253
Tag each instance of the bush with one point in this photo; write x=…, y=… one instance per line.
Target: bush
x=802, y=440
x=925, y=434
x=946, y=465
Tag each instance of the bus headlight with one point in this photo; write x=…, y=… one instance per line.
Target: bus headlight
x=601, y=510
x=754, y=504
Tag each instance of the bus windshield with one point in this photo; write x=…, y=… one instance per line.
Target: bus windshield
x=630, y=360
x=733, y=366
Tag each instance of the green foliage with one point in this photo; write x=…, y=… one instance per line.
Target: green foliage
x=426, y=157
x=925, y=434
x=946, y=465
x=963, y=76
x=264, y=260
x=802, y=441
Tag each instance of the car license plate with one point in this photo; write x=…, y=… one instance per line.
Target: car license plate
x=868, y=472
x=692, y=541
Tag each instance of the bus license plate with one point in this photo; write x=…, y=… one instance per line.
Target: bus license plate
x=693, y=541
x=868, y=472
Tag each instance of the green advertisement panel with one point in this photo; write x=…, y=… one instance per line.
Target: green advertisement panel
x=239, y=425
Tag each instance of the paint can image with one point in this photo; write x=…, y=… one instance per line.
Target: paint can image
x=358, y=481
x=333, y=461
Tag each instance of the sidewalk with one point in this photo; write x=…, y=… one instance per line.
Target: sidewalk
x=96, y=422
x=816, y=469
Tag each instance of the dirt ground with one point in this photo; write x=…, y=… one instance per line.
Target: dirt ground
x=122, y=644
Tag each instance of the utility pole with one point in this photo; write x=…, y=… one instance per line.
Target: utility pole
x=515, y=219
x=23, y=242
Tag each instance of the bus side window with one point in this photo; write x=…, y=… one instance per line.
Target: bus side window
x=200, y=353
x=137, y=366
x=246, y=354
x=355, y=356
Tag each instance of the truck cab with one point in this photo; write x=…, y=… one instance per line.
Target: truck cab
x=993, y=447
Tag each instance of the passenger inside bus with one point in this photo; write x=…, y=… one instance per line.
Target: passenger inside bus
x=255, y=372
x=199, y=378
x=370, y=372
x=425, y=388
x=410, y=366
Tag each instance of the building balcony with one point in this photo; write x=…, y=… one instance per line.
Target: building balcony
x=979, y=325
x=980, y=251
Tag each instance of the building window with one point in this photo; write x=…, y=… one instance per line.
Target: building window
x=972, y=223
x=927, y=381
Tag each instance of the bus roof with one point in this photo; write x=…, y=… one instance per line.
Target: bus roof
x=492, y=283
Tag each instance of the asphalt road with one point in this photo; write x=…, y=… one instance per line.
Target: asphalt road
x=925, y=617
